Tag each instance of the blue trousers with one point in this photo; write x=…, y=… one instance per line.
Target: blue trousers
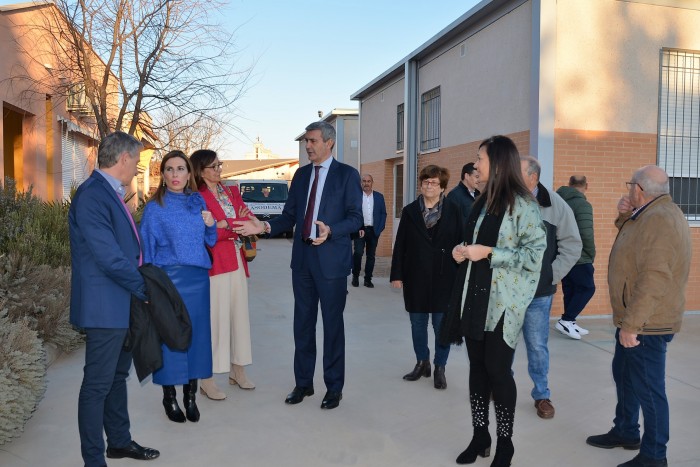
x=640, y=379
x=102, y=403
x=419, y=333
x=536, y=335
x=578, y=288
x=310, y=288
x=369, y=243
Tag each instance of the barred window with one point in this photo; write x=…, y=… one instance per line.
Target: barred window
x=430, y=119
x=399, y=127
x=679, y=127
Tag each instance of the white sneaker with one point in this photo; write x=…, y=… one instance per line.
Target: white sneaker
x=580, y=330
x=568, y=329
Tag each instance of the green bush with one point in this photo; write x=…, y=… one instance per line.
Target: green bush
x=40, y=296
x=22, y=375
x=32, y=228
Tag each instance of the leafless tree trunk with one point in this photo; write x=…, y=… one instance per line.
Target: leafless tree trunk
x=126, y=57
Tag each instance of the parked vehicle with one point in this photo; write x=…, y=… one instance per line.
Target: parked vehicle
x=265, y=198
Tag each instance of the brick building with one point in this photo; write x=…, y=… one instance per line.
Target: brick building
x=598, y=88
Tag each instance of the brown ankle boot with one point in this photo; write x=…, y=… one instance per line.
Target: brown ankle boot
x=237, y=376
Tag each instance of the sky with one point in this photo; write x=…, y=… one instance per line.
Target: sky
x=312, y=55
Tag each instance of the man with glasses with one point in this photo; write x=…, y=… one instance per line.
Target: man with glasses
x=325, y=206
x=647, y=277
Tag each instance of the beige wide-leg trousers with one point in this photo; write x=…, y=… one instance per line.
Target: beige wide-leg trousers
x=230, y=321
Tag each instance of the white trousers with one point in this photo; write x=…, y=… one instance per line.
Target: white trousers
x=230, y=321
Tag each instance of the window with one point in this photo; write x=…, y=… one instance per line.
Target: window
x=679, y=127
x=399, y=127
x=430, y=120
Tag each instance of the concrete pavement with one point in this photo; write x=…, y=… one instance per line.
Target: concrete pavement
x=382, y=420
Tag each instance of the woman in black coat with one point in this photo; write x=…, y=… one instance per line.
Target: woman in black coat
x=423, y=266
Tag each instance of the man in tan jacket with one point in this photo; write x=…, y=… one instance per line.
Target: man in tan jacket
x=647, y=277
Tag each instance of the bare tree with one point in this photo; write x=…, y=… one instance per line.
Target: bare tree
x=121, y=58
x=189, y=133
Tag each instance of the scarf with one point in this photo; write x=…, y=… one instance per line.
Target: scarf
x=431, y=216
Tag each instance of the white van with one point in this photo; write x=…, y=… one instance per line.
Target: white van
x=265, y=198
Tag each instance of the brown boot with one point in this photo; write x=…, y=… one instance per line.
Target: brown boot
x=237, y=376
x=207, y=387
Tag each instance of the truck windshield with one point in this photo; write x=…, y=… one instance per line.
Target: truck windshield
x=261, y=192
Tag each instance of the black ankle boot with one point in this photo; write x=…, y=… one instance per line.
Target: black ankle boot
x=190, y=391
x=480, y=445
x=172, y=410
x=422, y=368
x=504, y=452
x=439, y=378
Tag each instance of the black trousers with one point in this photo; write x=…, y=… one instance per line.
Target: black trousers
x=490, y=362
x=369, y=243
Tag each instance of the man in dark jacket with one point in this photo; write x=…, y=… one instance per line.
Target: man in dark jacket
x=465, y=192
x=578, y=285
x=563, y=249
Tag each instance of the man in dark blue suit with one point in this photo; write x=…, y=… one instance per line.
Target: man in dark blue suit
x=374, y=217
x=105, y=255
x=325, y=205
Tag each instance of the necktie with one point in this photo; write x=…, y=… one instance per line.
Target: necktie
x=133, y=226
x=309, y=217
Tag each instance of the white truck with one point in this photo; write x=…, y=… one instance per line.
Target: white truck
x=265, y=198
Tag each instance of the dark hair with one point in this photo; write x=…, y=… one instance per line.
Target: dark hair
x=578, y=180
x=160, y=191
x=467, y=169
x=505, y=179
x=114, y=145
x=433, y=171
x=200, y=159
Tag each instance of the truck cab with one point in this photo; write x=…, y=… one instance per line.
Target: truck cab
x=265, y=198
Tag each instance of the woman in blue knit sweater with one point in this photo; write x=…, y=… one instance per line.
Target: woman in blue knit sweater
x=176, y=229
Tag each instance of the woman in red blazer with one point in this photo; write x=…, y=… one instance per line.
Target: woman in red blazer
x=230, y=321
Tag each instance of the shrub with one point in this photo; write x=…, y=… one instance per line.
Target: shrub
x=33, y=228
x=22, y=375
x=39, y=295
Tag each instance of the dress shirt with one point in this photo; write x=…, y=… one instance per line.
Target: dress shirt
x=368, y=208
x=322, y=174
x=114, y=183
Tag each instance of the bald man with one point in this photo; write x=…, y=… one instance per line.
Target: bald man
x=647, y=277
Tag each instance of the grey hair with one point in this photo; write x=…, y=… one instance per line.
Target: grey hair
x=114, y=145
x=327, y=130
x=653, y=180
x=533, y=166
x=368, y=175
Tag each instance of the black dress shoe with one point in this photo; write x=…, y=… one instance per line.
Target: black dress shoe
x=298, y=394
x=133, y=451
x=331, y=400
x=640, y=460
x=421, y=369
x=611, y=440
x=368, y=283
x=355, y=281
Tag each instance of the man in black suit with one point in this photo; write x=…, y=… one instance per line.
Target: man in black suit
x=374, y=215
x=465, y=192
x=325, y=206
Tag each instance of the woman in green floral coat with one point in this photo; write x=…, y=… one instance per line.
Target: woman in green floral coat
x=498, y=275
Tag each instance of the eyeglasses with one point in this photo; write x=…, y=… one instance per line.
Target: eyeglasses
x=631, y=184
x=214, y=166
x=427, y=183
